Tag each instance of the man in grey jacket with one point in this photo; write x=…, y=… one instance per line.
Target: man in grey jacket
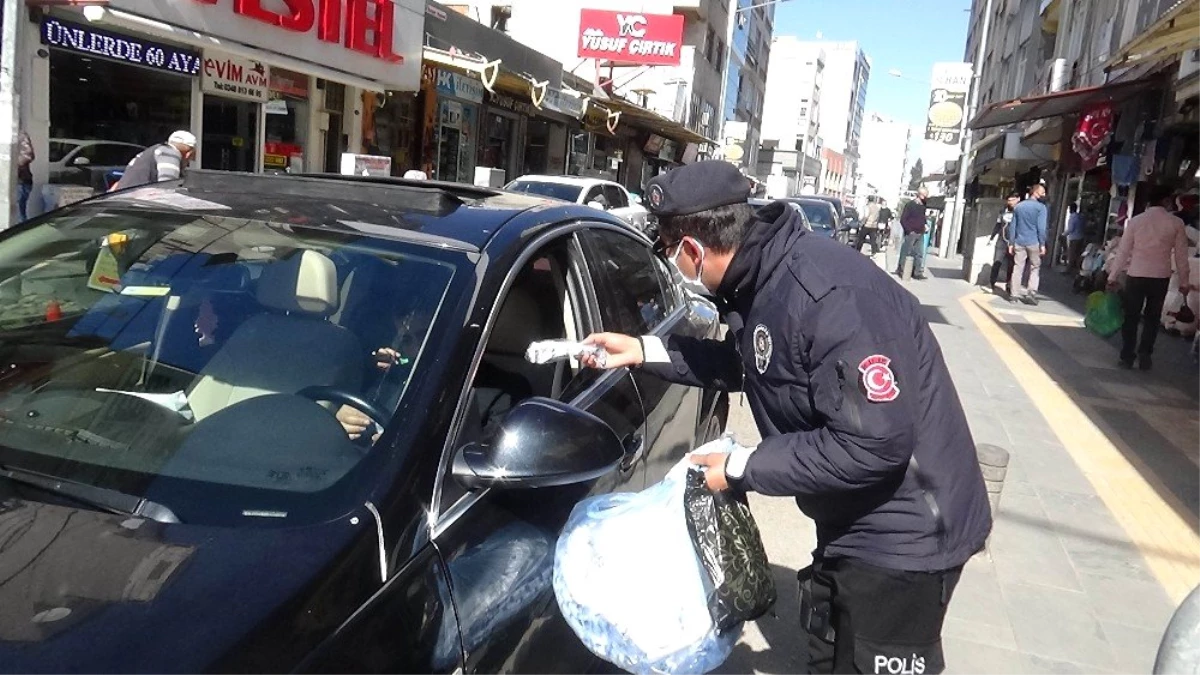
x=165, y=161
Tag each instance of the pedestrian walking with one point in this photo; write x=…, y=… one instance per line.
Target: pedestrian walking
x=1151, y=239
x=25, y=157
x=1076, y=238
x=870, y=227
x=912, y=220
x=1027, y=242
x=165, y=161
x=1002, y=258
x=860, y=420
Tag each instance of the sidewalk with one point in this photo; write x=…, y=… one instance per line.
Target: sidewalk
x=1095, y=542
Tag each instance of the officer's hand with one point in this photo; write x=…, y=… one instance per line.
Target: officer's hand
x=623, y=350
x=714, y=471
x=1012, y=249
x=1043, y=250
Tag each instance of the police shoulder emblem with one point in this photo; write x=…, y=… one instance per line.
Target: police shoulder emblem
x=878, y=380
x=763, y=346
x=656, y=196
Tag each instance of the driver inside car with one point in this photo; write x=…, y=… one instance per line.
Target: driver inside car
x=381, y=385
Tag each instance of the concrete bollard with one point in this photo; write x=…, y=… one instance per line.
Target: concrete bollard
x=993, y=463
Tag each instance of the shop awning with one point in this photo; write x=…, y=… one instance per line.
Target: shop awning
x=648, y=119
x=492, y=73
x=1056, y=104
x=1176, y=31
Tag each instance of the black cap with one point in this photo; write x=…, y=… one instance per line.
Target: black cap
x=693, y=188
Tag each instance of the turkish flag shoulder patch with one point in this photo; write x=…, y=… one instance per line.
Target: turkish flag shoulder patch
x=878, y=380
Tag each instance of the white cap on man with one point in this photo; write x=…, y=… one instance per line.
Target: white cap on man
x=415, y=174
x=184, y=138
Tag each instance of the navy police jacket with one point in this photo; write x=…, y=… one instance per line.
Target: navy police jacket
x=859, y=418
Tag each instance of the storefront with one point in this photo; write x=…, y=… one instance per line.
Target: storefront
x=456, y=127
x=101, y=82
x=110, y=95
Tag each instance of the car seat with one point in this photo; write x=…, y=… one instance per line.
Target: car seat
x=290, y=346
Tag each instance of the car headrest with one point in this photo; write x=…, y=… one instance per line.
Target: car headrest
x=518, y=324
x=305, y=282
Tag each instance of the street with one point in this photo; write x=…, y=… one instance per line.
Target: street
x=1095, y=542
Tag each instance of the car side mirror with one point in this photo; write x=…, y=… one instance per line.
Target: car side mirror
x=81, y=161
x=597, y=205
x=540, y=443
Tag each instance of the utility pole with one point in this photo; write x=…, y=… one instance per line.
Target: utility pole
x=960, y=206
x=11, y=26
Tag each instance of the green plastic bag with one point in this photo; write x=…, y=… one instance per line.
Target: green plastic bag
x=1104, y=316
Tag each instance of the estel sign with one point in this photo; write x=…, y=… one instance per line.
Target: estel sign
x=378, y=40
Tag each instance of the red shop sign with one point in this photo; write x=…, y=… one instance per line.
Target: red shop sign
x=365, y=26
x=630, y=37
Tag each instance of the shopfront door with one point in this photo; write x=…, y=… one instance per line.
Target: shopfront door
x=230, y=140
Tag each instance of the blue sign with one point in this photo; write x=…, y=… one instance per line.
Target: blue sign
x=123, y=48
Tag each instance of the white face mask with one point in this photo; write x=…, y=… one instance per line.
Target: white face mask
x=694, y=285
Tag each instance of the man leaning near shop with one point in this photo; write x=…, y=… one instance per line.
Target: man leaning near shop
x=860, y=420
x=1076, y=238
x=165, y=161
x=912, y=220
x=1152, y=239
x=1027, y=242
x=870, y=227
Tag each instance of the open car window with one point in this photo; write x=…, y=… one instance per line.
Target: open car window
x=202, y=361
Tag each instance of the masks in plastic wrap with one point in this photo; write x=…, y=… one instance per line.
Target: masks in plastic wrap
x=630, y=585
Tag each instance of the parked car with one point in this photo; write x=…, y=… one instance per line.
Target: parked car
x=177, y=493
x=600, y=194
x=86, y=162
x=758, y=203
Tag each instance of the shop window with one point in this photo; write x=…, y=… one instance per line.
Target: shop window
x=497, y=149
x=287, y=115
x=580, y=151
x=97, y=105
x=537, y=148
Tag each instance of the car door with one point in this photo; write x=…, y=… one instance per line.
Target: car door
x=498, y=545
x=637, y=297
x=618, y=204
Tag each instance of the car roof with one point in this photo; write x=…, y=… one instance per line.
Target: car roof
x=566, y=180
x=452, y=215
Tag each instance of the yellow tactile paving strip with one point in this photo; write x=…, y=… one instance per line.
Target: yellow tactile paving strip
x=1145, y=509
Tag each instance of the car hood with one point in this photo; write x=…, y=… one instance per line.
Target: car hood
x=88, y=591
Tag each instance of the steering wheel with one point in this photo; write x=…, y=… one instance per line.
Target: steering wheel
x=320, y=393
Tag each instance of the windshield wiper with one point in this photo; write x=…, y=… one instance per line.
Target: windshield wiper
x=105, y=499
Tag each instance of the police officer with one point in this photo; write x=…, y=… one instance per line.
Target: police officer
x=860, y=421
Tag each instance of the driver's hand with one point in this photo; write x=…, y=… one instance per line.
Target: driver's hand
x=385, y=357
x=355, y=422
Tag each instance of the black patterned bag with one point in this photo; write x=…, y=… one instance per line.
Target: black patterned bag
x=726, y=539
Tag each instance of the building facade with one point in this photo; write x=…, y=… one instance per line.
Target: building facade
x=750, y=41
x=99, y=83
x=792, y=142
x=1123, y=71
x=883, y=153
x=843, y=103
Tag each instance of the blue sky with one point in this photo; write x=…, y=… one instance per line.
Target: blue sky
x=908, y=35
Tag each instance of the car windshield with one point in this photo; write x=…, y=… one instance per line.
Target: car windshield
x=820, y=214
x=567, y=193
x=60, y=149
x=207, y=363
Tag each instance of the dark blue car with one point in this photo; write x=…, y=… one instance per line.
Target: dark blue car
x=267, y=424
